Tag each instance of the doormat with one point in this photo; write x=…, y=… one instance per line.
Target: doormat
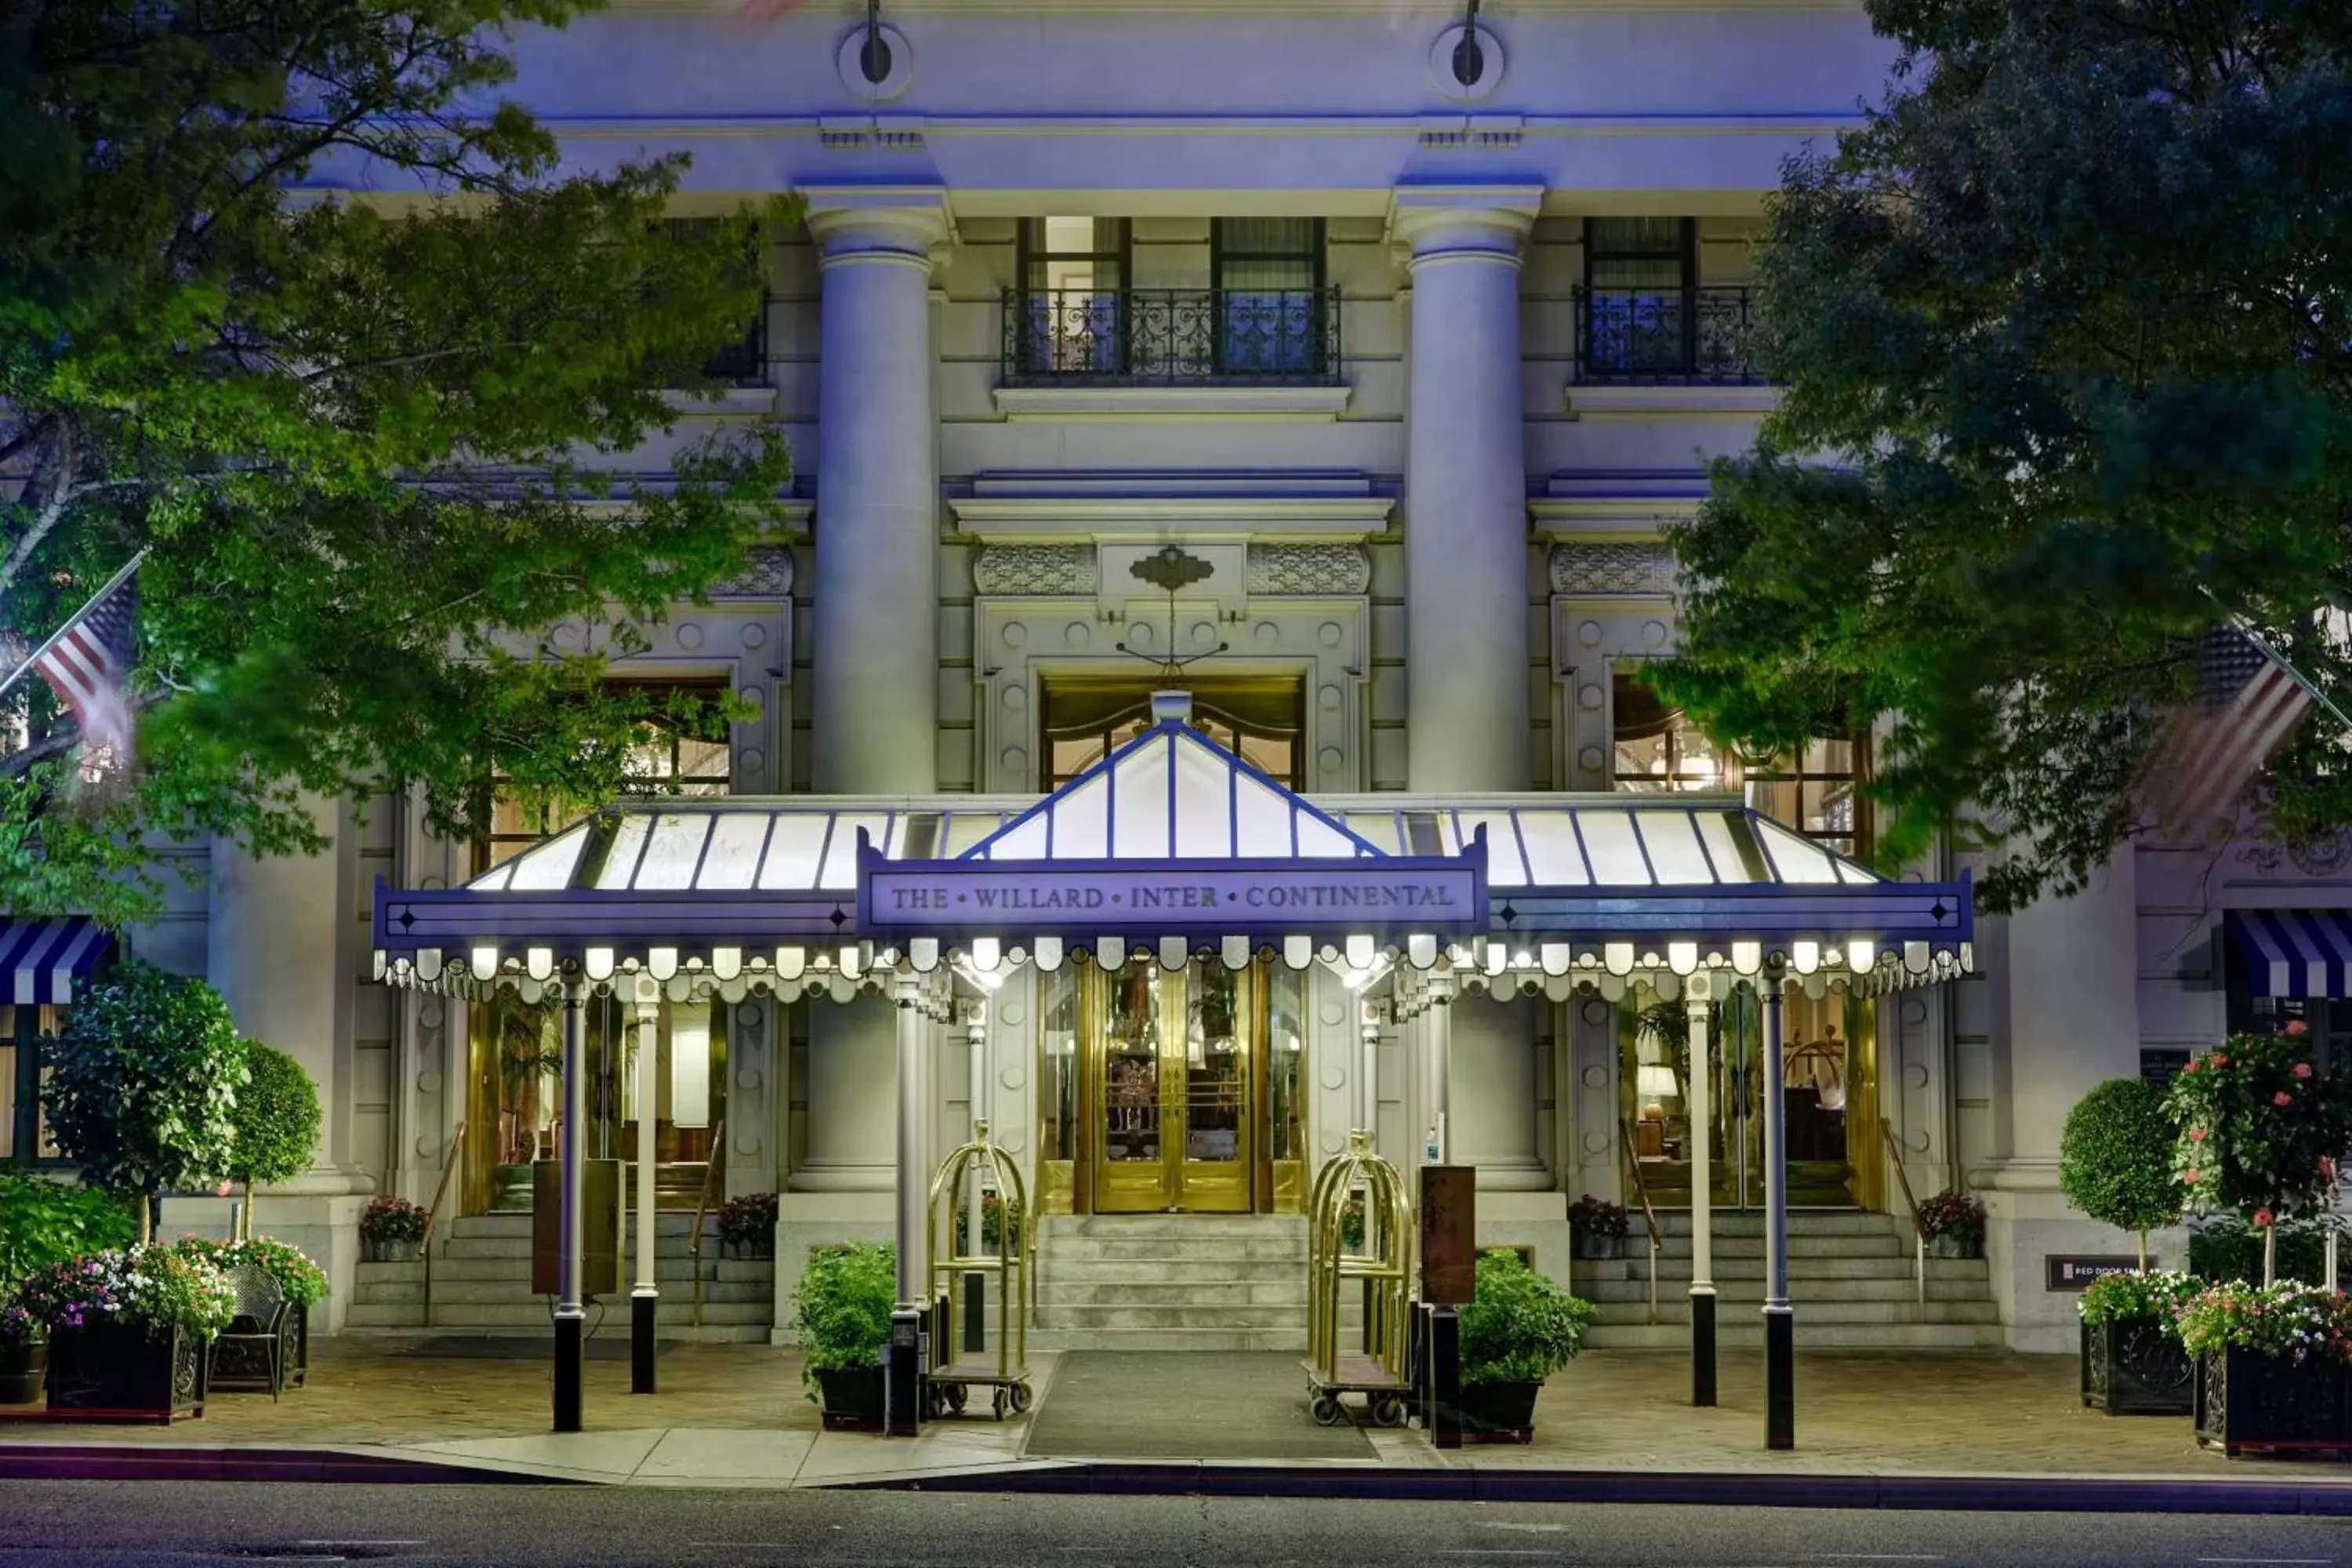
x=493, y=1347
x=1185, y=1405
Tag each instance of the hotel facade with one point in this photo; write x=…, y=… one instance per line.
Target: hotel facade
x=1346, y=381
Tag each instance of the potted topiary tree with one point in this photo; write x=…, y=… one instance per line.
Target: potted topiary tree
x=142, y=1094
x=843, y=1306
x=1520, y=1329
x=2114, y=1163
x=2261, y=1129
x=275, y=1124
x=43, y=1223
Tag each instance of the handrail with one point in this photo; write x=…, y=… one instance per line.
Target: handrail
x=1918, y=1225
x=1649, y=1215
x=433, y=1215
x=701, y=1207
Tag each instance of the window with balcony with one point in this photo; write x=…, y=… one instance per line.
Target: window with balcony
x=1641, y=316
x=1266, y=319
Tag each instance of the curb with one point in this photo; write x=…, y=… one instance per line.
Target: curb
x=128, y=1462
x=1954, y=1493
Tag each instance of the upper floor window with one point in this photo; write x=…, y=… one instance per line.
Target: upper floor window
x=1268, y=274
x=1642, y=315
x=1259, y=720
x=1818, y=790
x=744, y=361
x=681, y=747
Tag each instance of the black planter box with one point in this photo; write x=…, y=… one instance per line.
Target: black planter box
x=1499, y=1412
x=2249, y=1401
x=23, y=1370
x=853, y=1399
x=1595, y=1245
x=2137, y=1366
x=125, y=1374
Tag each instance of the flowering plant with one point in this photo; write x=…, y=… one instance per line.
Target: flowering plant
x=1953, y=1213
x=749, y=1221
x=2289, y=1322
x=391, y=1219
x=304, y=1282
x=1598, y=1216
x=2261, y=1128
x=152, y=1287
x=19, y=1327
x=2122, y=1297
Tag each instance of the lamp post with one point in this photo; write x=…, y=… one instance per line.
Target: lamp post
x=1780, y=1318
x=570, y=1316
x=645, y=1297
x=1696, y=989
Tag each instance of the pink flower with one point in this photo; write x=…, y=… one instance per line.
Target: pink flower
x=2262, y=1219
x=2296, y=1027
x=2302, y=1069
x=2191, y=1176
x=2327, y=1167
x=2282, y=1098
x=2219, y=1060
x=2196, y=1135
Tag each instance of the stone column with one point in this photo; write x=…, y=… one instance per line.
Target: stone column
x=1466, y=490
x=1492, y=1102
x=875, y=595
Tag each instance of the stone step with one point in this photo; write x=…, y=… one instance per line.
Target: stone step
x=1813, y=1336
x=1200, y=1294
x=1678, y=1269
x=666, y=1269
x=1801, y=1221
x=1173, y=1318
x=482, y=1315
x=1189, y=1226
x=457, y=1293
x=678, y=1246
x=708, y=1333
x=667, y=1223
x=1054, y=1266
x=1676, y=1309
x=1883, y=1245
x=1225, y=1339
x=1751, y=1291
x=1164, y=1250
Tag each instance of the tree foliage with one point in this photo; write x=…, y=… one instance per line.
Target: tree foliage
x=2065, y=331
x=276, y=1122
x=144, y=1086
x=358, y=436
x=2114, y=1159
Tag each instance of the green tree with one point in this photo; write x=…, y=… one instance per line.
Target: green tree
x=277, y=1123
x=2065, y=330
x=143, y=1087
x=2114, y=1159
x=347, y=431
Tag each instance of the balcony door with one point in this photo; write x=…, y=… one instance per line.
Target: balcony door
x=1075, y=273
x=1268, y=274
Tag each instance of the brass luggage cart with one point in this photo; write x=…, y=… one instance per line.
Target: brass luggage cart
x=1379, y=1256
x=958, y=1248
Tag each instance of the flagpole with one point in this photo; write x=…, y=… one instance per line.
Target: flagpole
x=72, y=621
x=2245, y=629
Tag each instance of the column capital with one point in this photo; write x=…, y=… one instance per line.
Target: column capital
x=879, y=222
x=1462, y=222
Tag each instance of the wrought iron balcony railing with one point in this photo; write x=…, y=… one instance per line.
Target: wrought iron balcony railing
x=1666, y=336
x=1172, y=337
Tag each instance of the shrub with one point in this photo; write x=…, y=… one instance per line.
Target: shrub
x=304, y=1282
x=1953, y=1213
x=2121, y=1298
x=2261, y=1128
x=2286, y=1322
x=992, y=1209
x=843, y=1306
x=43, y=1222
x=749, y=1221
x=277, y=1123
x=2114, y=1159
x=1521, y=1328
x=391, y=1219
x=146, y=1287
x=2224, y=1247
x=1598, y=1216
x=144, y=1088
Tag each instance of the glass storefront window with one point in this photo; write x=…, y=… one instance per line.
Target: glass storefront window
x=1057, y=1013
x=1286, y=1061
x=24, y=1130
x=1259, y=720
x=666, y=758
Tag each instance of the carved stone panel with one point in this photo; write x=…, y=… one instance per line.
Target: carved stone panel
x=1617, y=568
x=1331, y=570
x=767, y=574
x=1034, y=569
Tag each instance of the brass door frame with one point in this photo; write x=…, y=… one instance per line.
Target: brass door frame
x=1173, y=1183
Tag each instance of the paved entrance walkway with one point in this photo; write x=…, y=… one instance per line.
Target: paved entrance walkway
x=736, y=1416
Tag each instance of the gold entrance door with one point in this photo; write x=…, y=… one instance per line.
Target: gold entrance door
x=1172, y=1093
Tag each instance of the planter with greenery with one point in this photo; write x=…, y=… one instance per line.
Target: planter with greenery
x=1597, y=1228
x=44, y=1222
x=843, y=1314
x=2261, y=1129
x=2226, y=1247
x=128, y=1328
x=143, y=1085
x=992, y=1208
x=2133, y=1361
x=391, y=1229
x=747, y=1225
x=1955, y=1224
x=304, y=1282
x=276, y=1122
x=2270, y=1364
x=1520, y=1329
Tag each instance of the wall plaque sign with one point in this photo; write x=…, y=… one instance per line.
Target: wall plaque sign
x=1449, y=1235
x=2065, y=1273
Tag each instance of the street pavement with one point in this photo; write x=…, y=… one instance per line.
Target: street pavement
x=105, y=1524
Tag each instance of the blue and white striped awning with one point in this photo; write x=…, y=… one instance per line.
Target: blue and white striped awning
x=45, y=961
x=2299, y=953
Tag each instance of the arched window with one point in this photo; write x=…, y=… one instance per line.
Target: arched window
x=1259, y=720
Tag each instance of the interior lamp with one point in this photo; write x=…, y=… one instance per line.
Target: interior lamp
x=1654, y=1083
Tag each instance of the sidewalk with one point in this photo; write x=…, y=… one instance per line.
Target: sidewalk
x=1872, y=1430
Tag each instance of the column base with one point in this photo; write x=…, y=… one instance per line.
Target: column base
x=1701, y=1311
x=570, y=1353
x=643, y=1308
x=1779, y=1377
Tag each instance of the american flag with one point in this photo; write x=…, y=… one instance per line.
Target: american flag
x=2247, y=702
x=86, y=659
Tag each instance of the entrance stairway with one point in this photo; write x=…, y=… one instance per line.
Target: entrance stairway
x=1171, y=1282
x=1849, y=1279
x=481, y=1286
